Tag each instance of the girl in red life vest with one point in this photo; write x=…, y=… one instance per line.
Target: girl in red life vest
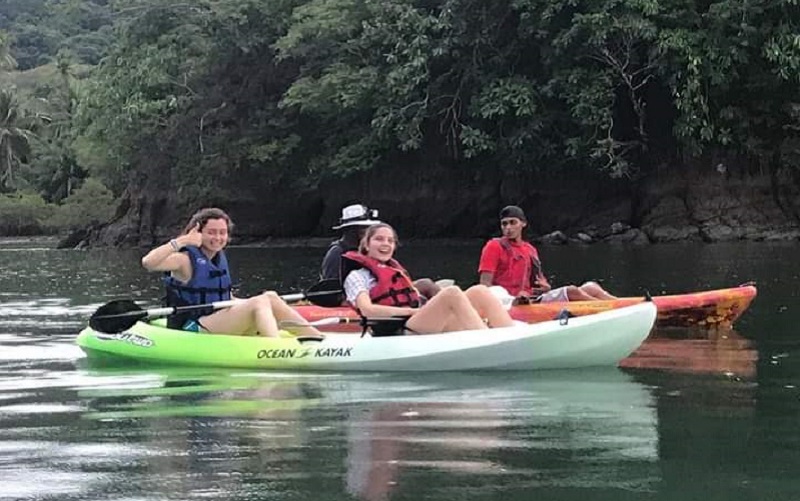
x=450, y=310
x=189, y=259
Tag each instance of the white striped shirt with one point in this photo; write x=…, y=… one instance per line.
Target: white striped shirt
x=356, y=282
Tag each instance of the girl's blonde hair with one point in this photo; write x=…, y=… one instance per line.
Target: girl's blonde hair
x=371, y=230
x=202, y=216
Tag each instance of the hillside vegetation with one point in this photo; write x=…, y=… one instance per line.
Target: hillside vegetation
x=299, y=92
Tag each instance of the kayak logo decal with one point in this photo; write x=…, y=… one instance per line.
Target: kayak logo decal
x=305, y=353
x=127, y=337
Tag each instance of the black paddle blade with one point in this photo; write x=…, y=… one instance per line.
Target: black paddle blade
x=326, y=293
x=116, y=316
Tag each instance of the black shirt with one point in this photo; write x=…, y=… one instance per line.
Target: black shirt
x=332, y=262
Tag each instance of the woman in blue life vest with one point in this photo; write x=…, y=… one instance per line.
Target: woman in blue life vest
x=196, y=272
x=380, y=287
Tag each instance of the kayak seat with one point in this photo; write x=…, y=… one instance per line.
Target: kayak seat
x=384, y=327
x=309, y=339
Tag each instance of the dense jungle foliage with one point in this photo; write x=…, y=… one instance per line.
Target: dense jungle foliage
x=93, y=91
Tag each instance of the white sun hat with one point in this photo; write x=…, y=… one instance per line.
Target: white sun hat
x=357, y=215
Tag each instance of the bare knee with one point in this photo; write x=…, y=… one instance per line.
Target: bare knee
x=575, y=293
x=271, y=297
x=592, y=288
x=451, y=290
x=478, y=291
x=452, y=295
x=596, y=291
x=262, y=301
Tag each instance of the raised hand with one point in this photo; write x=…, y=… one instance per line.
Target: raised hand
x=193, y=238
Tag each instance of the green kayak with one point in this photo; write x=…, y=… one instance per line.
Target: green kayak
x=594, y=340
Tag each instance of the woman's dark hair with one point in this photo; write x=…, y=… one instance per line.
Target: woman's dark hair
x=371, y=230
x=202, y=216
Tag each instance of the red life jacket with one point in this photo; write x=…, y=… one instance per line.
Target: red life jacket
x=394, y=287
x=536, y=274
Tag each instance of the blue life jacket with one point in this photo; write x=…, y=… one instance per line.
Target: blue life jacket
x=210, y=282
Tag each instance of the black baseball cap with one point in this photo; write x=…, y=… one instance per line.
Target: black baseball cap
x=513, y=211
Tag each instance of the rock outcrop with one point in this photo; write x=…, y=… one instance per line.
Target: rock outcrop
x=690, y=203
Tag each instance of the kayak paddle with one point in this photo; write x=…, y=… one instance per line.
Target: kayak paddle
x=121, y=314
x=342, y=320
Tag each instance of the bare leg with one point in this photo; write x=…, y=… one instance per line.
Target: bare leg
x=593, y=289
x=283, y=312
x=450, y=310
x=575, y=293
x=253, y=315
x=489, y=306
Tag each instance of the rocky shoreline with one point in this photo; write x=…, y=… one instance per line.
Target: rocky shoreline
x=622, y=233
x=619, y=233
x=616, y=233
x=676, y=204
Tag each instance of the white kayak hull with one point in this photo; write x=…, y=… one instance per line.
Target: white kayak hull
x=595, y=340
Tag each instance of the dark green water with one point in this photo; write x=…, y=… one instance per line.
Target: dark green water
x=714, y=417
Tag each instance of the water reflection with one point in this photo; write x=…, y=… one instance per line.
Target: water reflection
x=151, y=433
x=723, y=435
x=552, y=430
x=717, y=352
x=374, y=436
x=689, y=418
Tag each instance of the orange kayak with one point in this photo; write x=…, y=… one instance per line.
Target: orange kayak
x=707, y=309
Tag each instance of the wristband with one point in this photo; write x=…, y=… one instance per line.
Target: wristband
x=174, y=244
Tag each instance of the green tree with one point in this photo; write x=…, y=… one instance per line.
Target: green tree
x=15, y=139
x=23, y=214
x=92, y=203
x=42, y=28
x=56, y=169
x=7, y=61
x=148, y=79
x=194, y=81
x=196, y=93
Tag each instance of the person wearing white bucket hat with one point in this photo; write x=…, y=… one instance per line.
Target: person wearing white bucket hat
x=356, y=218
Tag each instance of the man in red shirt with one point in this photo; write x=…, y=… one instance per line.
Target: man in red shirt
x=514, y=264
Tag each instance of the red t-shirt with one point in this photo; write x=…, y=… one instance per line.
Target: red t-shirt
x=511, y=268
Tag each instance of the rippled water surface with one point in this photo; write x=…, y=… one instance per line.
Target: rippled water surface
x=693, y=415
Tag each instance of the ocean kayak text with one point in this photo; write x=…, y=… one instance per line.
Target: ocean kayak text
x=306, y=352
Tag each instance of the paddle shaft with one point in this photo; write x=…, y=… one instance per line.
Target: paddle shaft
x=119, y=315
x=342, y=320
x=320, y=322
x=171, y=310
